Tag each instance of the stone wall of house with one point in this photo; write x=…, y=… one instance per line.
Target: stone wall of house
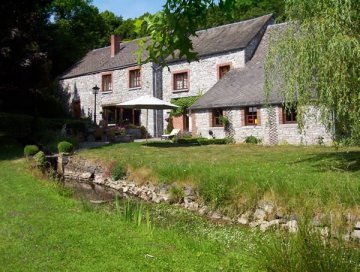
x=120, y=93
x=202, y=74
x=314, y=132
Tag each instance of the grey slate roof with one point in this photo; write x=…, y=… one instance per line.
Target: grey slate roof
x=215, y=40
x=99, y=60
x=242, y=86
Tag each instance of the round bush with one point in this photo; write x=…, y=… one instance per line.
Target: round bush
x=65, y=147
x=252, y=140
x=30, y=150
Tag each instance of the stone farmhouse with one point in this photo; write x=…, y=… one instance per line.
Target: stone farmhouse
x=229, y=76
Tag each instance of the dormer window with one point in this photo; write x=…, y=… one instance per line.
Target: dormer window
x=223, y=70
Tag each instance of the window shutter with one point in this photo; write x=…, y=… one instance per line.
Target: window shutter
x=242, y=116
x=281, y=115
x=258, y=116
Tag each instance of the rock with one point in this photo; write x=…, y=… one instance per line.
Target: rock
x=188, y=200
x=188, y=191
x=254, y=224
x=268, y=208
x=264, y=226
x=115, y=186
x=215, y=216
x=226, y=218
x=259, y=215
x=279, y=214
x=357, y=226
x=99, y=179
x=244, y=218
x=87, y=176
x=292, y=226
x=356, y=235
x=125, y=189
x=203, y=210
x=157, y=199
x=193, y=206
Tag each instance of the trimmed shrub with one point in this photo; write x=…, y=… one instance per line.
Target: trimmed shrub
x=39, y=159
x=203, y=141
x=30, y=150
x=65, y=147
x=118, y=172
x=186, y=141
x=252, y=140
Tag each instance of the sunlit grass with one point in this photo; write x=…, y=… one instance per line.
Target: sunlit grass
x=239, y=175
x=42, y=229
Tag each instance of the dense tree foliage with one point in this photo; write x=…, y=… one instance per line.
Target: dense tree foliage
x=42, y=38
x=171, y=28
x=316, y=59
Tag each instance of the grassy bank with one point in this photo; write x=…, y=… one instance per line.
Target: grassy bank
x=238, y=176
x=42, y=229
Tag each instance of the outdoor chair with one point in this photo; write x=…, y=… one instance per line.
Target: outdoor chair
x=172, y=134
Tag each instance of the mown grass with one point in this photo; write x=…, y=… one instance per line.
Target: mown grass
x=42, y=229
x=236, y=177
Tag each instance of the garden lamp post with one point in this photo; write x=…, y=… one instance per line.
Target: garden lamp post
x=95, y=91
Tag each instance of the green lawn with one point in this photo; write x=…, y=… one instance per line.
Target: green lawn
x=41, y=229
x=238, y=176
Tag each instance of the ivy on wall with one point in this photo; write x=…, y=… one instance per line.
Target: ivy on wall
x=184, y=103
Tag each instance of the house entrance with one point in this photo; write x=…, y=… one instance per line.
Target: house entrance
x=181, y=122
x=76, y=109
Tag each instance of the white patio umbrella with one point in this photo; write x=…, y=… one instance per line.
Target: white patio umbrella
x=147, y=102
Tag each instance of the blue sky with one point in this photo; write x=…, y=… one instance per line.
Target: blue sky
x=129, y=8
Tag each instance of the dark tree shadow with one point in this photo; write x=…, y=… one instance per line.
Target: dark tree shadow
x=335, y=161
x=167, y=144
x=10, y=151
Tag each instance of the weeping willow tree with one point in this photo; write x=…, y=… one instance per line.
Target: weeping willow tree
x=315, y=60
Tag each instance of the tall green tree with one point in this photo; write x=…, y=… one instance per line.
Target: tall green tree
x=111, y=24
x=170, y=29
x=24, y=64
x=77, y=27
x=316, y=60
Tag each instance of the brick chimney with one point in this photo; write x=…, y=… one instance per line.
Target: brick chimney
x=115, y=44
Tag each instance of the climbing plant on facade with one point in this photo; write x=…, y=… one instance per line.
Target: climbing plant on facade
x=184, y=103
